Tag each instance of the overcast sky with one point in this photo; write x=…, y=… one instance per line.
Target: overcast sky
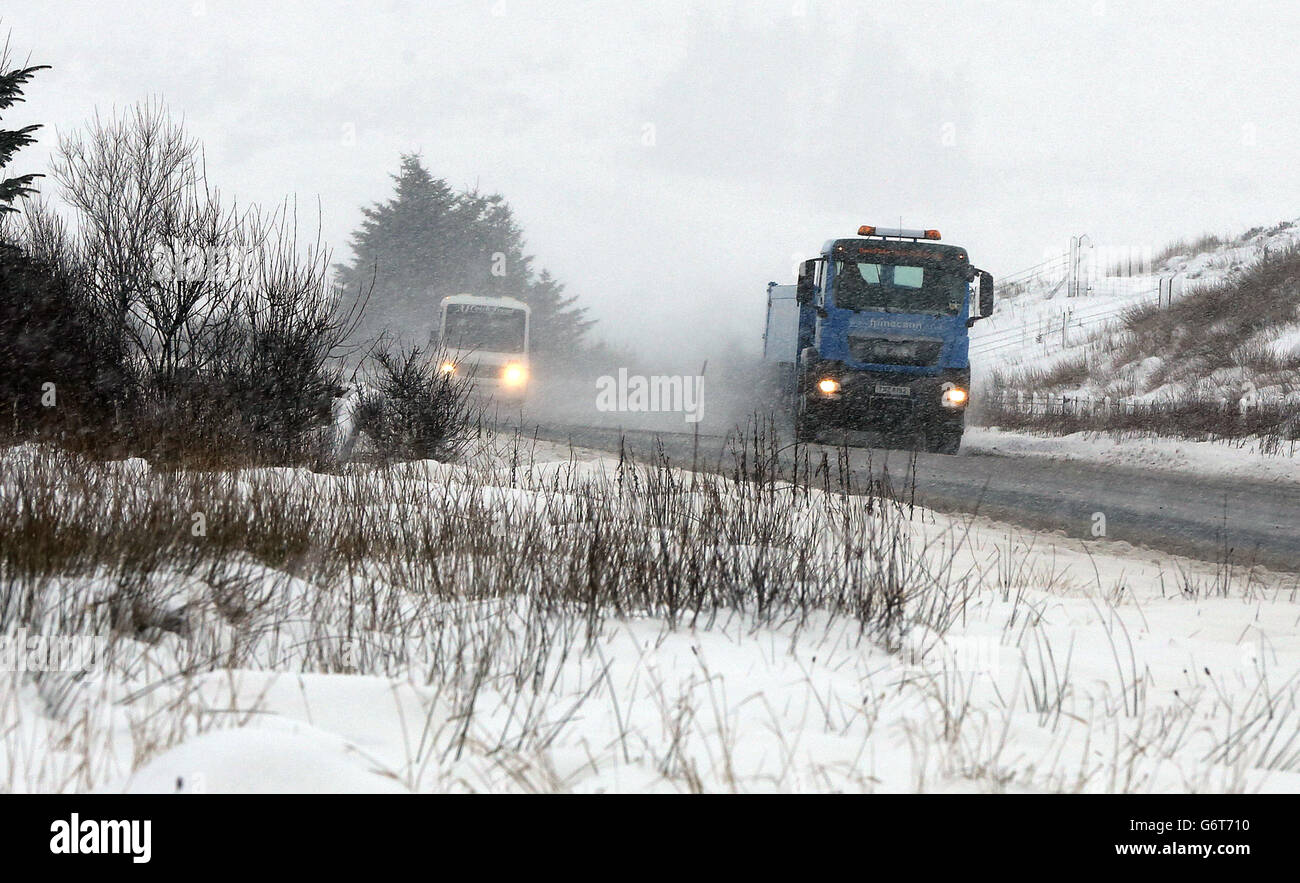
x=668, y=159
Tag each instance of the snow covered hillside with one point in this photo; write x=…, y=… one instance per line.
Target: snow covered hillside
x=543, y=619
x=1217, y=321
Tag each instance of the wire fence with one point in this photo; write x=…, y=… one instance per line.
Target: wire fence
x=1073, y=325
x=1087, y=307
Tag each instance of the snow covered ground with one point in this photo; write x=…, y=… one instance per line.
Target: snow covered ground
x=1248, y=459
x=1017, y=661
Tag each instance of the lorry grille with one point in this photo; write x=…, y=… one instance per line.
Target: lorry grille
x=892, y=351
x=477, y=371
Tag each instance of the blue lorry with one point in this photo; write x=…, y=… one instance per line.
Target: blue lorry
x=874, y=337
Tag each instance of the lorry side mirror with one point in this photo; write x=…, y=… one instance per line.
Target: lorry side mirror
x=986, y=294
x=806, y=290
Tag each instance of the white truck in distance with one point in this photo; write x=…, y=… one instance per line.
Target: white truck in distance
x=485, y=339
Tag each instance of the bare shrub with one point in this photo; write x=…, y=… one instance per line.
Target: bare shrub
x=1276, y=425
x=227, y=323
x=1070, y=372
x=126, y=178
x=1197, y=245
x=415, y=410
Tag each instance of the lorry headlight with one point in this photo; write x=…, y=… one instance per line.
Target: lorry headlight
x=828, y=386
x=954, y=396
x=514, y=374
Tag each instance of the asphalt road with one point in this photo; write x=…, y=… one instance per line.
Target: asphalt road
x=1209, y=518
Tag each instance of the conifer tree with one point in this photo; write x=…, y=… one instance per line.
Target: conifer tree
x=429, y=241
x=12, y=82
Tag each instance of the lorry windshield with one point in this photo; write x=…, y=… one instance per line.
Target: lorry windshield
x=899, y=288
x=484, y=328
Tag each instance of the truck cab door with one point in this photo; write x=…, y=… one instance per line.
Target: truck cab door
x=806, y=291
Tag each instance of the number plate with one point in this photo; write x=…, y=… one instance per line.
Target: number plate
x=886, y=390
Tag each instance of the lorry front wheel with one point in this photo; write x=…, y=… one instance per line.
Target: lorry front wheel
x=944, y=437
x=805, y=427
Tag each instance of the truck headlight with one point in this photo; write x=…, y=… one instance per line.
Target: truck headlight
x=829, y=386
x=954, y=396
x=514, y=374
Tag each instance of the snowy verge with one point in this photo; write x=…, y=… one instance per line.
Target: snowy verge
x=1246, y=460
x=509, y=626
